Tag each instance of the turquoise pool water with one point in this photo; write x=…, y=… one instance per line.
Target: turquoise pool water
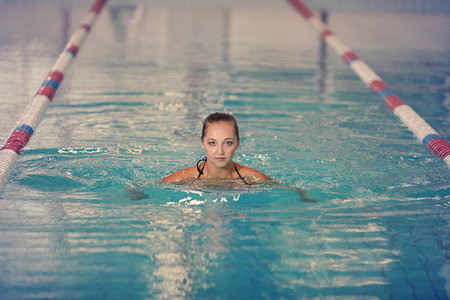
x=130, y=112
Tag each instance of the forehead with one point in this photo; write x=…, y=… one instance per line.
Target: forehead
x=222, y=129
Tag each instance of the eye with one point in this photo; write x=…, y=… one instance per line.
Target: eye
x=229, y=143
x=211, y=143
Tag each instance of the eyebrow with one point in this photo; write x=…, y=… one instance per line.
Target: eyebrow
x=227, y=139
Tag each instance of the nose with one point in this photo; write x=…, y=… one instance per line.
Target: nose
x=220, y=149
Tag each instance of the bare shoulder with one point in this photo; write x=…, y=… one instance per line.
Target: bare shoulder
x=181, y=175
x=246, y=171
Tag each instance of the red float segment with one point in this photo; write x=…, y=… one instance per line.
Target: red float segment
x=440, y=147
x=72, y=49
x=378, y=85
x=47, y=91
x=16, y=141
x=349, y=56
x=393, y=102
x=97, y=7
x=86, y=26
x=326, y=33
x=56, y=76
x=302, y=9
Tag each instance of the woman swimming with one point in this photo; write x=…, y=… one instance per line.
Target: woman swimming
x=220, y=140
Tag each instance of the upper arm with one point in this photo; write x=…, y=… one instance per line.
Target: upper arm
x=170, y=178
x=261, y=175
x=179, y=175
x=246, y=171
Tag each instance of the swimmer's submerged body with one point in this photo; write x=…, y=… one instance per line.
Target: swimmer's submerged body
x=197, y=176
x=220, y=140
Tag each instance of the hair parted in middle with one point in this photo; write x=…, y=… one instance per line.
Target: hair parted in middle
x=220, y=117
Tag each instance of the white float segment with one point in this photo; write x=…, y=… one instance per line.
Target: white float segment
x=7, y=159
x=63, y=62
x=364, y=72
x=337, y=44
x=34, y=112
x=414, y=122
x=317, y=24
x=447, y=160
x=78, y=37
x=89, y=18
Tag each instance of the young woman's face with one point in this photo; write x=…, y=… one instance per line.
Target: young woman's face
x=220, y=143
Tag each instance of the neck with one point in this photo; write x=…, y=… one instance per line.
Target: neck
x=221, y=173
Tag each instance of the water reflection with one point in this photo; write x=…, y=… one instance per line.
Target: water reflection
x=190, y=249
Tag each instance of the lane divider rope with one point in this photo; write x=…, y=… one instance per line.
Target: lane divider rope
x=33, y=114
x=424, y=132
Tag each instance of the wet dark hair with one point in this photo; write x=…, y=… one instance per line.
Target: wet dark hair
x=220, y=117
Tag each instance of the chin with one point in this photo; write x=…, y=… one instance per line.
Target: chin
x=222, y=163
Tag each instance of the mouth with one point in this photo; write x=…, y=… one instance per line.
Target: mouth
x=220, y=158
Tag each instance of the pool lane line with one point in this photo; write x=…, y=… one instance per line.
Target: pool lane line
x=424, y=132
x=32, y=116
